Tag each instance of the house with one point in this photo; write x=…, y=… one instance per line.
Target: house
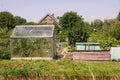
x=50, y=19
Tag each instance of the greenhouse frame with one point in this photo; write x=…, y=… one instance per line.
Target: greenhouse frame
x=33, y=42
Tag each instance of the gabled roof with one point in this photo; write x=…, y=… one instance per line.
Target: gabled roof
x=51, y=16
x=30, y=31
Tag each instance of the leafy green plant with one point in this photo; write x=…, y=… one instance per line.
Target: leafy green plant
x=71, y=48
x=110, y=42
x=4, y=48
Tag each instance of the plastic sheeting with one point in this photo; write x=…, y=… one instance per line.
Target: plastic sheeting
x=115, y=53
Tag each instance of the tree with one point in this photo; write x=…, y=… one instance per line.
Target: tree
x=118, y=16
x=19, y=20
x=75, y=29
x=6, y=20
x=97, y=24
x=79, y=33
x=105, y=42
x=112, y=28
x=69, y=19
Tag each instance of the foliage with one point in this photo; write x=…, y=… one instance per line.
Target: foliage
x=69, y=19
x=108, y=34
x=118, y=16
x=19, y=20
x=78, y=34
x=112, y=28
x=4, y=52
x=31, y=47
x=71, y=48
x=4, y=43
x=97, y=24
x=60, y=46
x=4, y=48
x=75, y=29
x=30, y=23
x=5, y=32
x=12, y=69
x=96, y=37
x=62, y=35
x=107, y=43
x=6, y=20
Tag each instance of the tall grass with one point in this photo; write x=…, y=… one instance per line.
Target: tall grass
x=58, y=70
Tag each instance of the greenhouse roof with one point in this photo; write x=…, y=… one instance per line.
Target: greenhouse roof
x=26, y=31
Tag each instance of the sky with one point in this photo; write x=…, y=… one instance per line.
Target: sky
x=35, y=10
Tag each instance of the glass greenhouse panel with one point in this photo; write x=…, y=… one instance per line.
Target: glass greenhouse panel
x=33, y=41
x=33, y=31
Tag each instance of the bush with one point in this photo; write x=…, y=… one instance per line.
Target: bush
x=4, y=48
x=106, y=44
x=4, y=52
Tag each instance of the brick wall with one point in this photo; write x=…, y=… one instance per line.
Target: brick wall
x=90, y=55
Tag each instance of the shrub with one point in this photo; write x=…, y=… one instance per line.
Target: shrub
x=107, y=43
x=4, y=48
x=4, y=52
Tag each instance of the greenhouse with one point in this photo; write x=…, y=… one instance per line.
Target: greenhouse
x=33, y=42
